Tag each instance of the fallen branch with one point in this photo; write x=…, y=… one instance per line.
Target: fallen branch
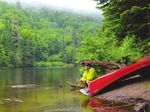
x=107, y=66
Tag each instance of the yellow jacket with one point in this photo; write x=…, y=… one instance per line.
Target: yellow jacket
x=89, y=75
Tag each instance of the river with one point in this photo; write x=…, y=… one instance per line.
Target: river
x=48, y=92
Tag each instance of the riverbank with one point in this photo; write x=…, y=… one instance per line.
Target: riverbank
x=45, y=64
x=135, y=90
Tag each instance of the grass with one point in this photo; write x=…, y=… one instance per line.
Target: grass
x=50, y=64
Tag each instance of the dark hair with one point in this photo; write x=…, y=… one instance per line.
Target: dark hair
x=83, y=63
x=88, y=64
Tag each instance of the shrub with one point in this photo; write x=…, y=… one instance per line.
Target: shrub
x=110, y=49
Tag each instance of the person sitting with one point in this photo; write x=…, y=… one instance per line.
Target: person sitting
x=88, y=75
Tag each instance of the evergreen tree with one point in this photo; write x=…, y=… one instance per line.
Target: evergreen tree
x=123, y=17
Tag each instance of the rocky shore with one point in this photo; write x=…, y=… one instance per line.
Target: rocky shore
x=135, y=91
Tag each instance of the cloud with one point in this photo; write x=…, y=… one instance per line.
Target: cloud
x=73, y=5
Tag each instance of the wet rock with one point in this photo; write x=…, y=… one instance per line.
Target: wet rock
x=139, y=104
x=7, y=100
x=18, y=100
x=23, y=86
x=142, y=107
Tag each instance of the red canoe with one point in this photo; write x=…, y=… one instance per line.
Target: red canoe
x=102, y=82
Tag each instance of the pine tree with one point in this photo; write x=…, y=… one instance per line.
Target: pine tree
x=124, y=17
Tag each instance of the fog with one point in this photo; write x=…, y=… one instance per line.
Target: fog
x=80, y=6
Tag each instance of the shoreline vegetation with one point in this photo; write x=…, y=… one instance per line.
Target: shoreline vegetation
x=52, y=64
x=44, y=64
x=37, y=36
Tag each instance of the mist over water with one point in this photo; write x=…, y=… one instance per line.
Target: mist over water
x=77, y=6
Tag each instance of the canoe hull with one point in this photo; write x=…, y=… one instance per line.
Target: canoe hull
x=102, y=82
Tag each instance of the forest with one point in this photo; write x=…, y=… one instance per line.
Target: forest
x=124, y=35
x=48, y=37
x=32, y=36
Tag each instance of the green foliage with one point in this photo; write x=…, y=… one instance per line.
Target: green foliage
x=48, y=64
x=124, y=34
x=3, y=57
x=109, y=49
x=123, y=17
x=45, y=37
x=2, y=25
x=136, y=9
x=41, y=36
x=54, y=58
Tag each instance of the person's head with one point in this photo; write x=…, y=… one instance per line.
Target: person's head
x=87, y=66
x=83, y=63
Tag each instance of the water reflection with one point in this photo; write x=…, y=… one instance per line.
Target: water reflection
x=96, y=105
x=50, y=92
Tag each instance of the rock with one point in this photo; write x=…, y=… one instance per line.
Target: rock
x=7, y=100
x=17, y=100
x=23, y=86
x=142, y=107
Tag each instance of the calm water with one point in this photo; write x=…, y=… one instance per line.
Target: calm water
x=49, y=93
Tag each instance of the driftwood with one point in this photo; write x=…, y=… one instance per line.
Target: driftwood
x=107, y=66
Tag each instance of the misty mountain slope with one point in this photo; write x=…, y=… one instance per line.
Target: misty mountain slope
x=33, y=35
x=78, y=6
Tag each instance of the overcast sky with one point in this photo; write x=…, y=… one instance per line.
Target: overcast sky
x=75, y=5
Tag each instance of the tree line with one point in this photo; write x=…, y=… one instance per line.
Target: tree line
x=45, y=37
x=41, y=36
